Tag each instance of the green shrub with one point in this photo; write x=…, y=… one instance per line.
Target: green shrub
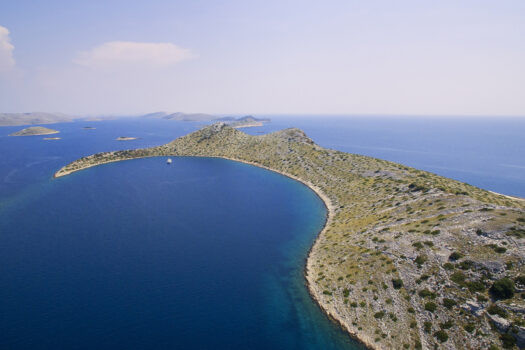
x=430, y=306
x=466, y=264
x=423, y=293
x=420, y=259
x=417, y=245
x=441, y=335
x=449, y=303
x=379, y=314
x=327, y=292
x=448, y=266
x=447, y=325
x=469, y=327
x=458, y=277
x=475, y=286
x=346, y=292
x=500, y=250
x=508, y=341
x=455, y=256
x=427, y=326
x=503, y=289
x=496, y=310
x=397, y=283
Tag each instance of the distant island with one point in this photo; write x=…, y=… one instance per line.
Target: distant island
x=244, y=122
x=34, y=130
x=240, y=122
x=52, y=138
x=186, y=117
x=407, y=259
x=15, y=119
x=88, y=128
x=125, y=138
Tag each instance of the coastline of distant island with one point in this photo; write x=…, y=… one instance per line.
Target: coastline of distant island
x=426, y=260
x=34, y=131
x=125, y=138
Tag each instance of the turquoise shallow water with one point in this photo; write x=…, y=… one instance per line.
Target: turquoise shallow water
x=201, y=254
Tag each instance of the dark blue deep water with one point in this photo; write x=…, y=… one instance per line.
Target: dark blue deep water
x=201, y=254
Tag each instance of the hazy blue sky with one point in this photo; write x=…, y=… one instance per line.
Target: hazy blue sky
x=379, y=57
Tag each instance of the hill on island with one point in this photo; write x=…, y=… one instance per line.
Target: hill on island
x=34, y=130
x=14, y=119
x=407, y=259
x=239, y=122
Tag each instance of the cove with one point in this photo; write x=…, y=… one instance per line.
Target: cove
x=203, y=254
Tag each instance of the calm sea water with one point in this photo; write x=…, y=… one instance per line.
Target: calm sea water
x=202, y=254
x=199, y=254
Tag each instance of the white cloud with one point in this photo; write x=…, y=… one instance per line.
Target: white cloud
x=7, y=61
x=116, y=54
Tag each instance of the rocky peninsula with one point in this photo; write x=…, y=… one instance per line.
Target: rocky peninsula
x=35, y=130
x=407, y=259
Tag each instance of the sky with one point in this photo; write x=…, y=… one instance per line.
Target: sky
x=460, y=57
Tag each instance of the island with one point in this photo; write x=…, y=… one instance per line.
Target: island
x=14, y=119
x=407, y=259
x=88, y=128
x=245, y=122
x=125, y=138
x=52, y=138
x=34, y=130
x=239, y=122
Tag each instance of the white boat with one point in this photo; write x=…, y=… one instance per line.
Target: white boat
x=169, y=161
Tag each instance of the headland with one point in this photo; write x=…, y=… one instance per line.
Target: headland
x=407, y=258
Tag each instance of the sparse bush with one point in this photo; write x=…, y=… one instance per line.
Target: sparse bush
x=449, y=303
x=420, y=260
x=430, y=306
x=496, y=310
x=455, y=256
x=448, y=266
x=469, y=327
x=475, y=286
x=397, y=283
x=447, y=325
x=503, y=289
x=507, y=340
x=466, y=264
x=417, y=245
x=427, y=326
x=458, y=277
x=379, y=314
x=423, y=293
x=441, y=335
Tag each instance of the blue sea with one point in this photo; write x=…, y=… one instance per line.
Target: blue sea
x=201, y=254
